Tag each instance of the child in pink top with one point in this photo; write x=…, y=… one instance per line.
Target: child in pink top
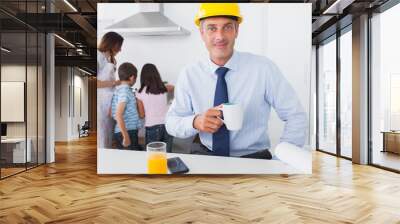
x=152, y=101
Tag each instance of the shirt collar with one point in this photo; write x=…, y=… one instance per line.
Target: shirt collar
x=231, y=64
x=123, y=85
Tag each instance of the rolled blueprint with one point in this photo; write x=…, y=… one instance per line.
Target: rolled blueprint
x=298, y=158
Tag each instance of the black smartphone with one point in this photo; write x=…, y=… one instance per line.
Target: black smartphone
x=176, y=165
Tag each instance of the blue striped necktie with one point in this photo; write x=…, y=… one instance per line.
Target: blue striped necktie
x=220, y=143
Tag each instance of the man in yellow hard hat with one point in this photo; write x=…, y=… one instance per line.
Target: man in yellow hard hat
x=228, y=76
x=223, y=16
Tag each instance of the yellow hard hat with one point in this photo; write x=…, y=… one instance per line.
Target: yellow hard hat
x=217, y=9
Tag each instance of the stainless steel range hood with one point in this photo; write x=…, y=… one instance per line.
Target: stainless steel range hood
x=150, y=21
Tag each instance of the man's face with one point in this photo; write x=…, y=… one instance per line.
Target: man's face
x=219, y=34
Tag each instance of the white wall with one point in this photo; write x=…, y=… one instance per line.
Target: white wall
x=61, y=103
x=17, y=73
x=288, y=44
x=169, y=54
x=80, y=83
x=281, y=32
x=33, y=126
x=68, y=82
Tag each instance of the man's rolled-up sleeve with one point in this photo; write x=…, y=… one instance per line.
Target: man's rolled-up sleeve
x=179, y=118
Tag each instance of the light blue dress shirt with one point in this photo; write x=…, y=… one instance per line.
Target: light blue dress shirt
x=255, y=83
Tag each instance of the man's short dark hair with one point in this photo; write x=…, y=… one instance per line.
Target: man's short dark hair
x=126, y=70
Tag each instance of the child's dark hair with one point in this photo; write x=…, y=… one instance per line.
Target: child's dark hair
x=126, y=70
x=151, y=79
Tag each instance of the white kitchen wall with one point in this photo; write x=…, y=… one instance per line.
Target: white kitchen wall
x=288, y=39
x=171, y=54
x=281, y=32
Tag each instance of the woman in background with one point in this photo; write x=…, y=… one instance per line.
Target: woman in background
x=110, y=45
x=152, y=102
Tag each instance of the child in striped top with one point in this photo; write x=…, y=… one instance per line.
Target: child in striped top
x=124, y=109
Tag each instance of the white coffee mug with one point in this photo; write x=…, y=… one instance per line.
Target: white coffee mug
x=233, y=116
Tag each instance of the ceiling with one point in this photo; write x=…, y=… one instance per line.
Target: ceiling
x=77, y=24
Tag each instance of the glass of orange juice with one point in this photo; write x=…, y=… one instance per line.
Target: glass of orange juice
x=157, y=158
